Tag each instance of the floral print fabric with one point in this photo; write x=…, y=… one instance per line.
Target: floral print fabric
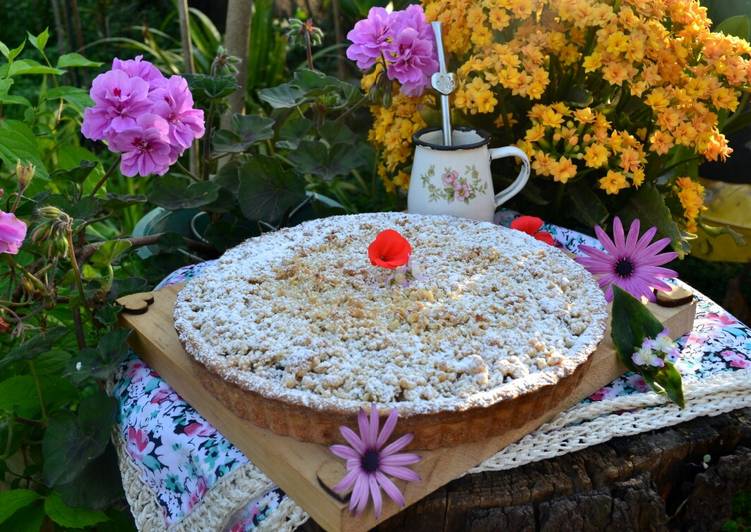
x=181, y=456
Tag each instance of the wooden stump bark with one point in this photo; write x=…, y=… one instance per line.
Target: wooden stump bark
x=678, y=478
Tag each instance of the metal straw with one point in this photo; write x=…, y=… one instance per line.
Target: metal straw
x=444, y=82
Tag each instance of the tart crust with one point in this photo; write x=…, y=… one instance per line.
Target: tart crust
x=242, y=320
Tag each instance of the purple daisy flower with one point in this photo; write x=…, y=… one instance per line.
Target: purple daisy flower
x=632, y=263
x=368, y=462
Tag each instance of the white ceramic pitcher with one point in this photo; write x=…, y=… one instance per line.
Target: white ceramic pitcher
x=456, y=179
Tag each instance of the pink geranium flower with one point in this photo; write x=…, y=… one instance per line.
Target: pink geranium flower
x=403, y=39
x=413, y=17
x=174, y=102
x=133, y=104
x=12, y=233
x=145, y=147
x=119, y=101
x=138, y=68
x=370, y=37
x=411, y=61
x=369, y=462
x=632, y=263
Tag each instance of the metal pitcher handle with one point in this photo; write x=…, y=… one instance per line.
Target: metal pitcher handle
x=514, y=188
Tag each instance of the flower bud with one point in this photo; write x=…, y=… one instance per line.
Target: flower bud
x=24, y=172
x=51, y=232
x=4, y=325
x=50, y=212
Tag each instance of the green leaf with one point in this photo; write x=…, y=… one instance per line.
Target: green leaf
x=632, y=323
x=69, y=517
x=108, y=253
x=292, y=132
x=79, y=99
x=77, y=174
x=76, y=60
x=25, y=67
x=579, y=96
x=17, y=142
x=283, y=96
x=101, y=362
x=588, y=209
x=5, y=85
x=12, y=99
x=40, y=41
x=228, y=176
x=117, y=202
x=669, y=379
x=98, y=486
x=648, y=204
x=206, y=88
x=267, y=190
x=246, y=131
x=317, y=158
x=52, y=363
x=71, y=441
x=13, y=500
x=27, y=519
x=34, y=346
x=174, y=192
x=17, y=396
x=10, y=55
x=738, y=26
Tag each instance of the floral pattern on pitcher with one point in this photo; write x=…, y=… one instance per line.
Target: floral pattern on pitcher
x=454, y=187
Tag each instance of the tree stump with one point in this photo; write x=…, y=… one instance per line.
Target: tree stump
x=653, y=481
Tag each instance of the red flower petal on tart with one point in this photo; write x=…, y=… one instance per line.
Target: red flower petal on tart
x=389, y=250
x=545, y=237
x=527, y=224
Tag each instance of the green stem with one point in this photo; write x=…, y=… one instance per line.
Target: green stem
x=207, y=143
x=187, y=172
x=30, y=276
x=77, y=274
x=38, y=386
x=103, y=179
x=684, y=161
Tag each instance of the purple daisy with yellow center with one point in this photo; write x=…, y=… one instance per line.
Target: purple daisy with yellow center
x=631, y=262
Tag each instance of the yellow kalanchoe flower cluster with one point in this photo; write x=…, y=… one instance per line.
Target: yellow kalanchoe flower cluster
x=592, y=88
x=560, y=136
x=691, y=195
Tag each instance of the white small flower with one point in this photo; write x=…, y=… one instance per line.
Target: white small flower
x=663, y=343
x=78, y=366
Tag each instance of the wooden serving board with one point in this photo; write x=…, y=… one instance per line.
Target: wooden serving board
x=302, y=469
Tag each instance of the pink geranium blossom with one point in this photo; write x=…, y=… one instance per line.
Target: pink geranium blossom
x=370, y=37
x=411, y=61
x=145, y=147
x=174, y=102
x=369, y=462
x=138, y=68
x=405, y=42
x=12, y=233
x=148, y=118
x=119, y=101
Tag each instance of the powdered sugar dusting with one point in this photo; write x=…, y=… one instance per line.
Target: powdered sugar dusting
x=301, y=315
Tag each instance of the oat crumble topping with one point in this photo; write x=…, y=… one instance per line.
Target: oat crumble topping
x=301, y=315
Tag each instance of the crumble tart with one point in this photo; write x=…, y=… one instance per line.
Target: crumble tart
x=298, y=330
